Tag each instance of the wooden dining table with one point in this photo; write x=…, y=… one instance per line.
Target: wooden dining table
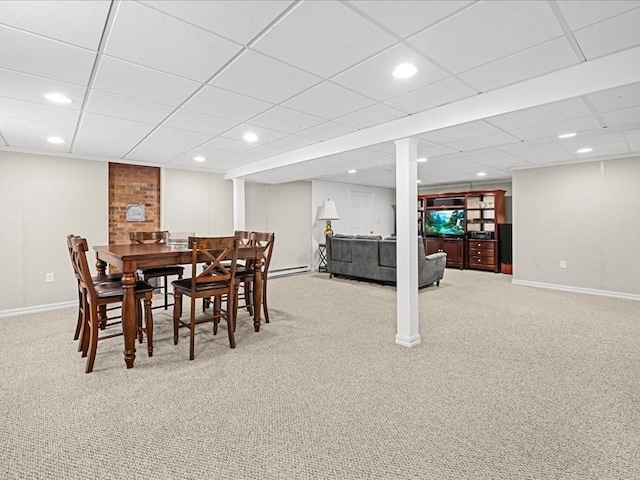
x=130, y=257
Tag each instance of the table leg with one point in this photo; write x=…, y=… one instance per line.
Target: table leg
x=101, y=269
x=257, y=298
x=129, y=320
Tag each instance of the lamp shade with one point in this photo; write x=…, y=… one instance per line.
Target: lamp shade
x=328, y=211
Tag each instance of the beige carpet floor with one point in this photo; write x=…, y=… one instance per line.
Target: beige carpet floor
x=509, y=382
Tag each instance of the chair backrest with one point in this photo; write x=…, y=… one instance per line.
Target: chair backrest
x=266, y=240
x=244, y=236
x=149, y=237
x=70, y=247
x=213, y=251
x=81, y=265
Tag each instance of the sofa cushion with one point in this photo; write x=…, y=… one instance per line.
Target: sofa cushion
x=341, y=249
x=387, y=253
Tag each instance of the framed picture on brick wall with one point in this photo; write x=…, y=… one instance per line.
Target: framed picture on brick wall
x=135, y=212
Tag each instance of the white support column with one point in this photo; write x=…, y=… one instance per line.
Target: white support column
x=238, y=204
x=407, y=242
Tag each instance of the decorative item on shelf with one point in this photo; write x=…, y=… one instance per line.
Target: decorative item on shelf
x=328, y=212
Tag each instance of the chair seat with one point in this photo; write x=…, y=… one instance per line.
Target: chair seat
x=107, y=290
x=113, y=277
x=184, y=285
x=161, y=271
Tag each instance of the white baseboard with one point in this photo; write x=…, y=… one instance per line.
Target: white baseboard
x=288, y=271
x=405, y=341
x=37, y=309
x=588, y=291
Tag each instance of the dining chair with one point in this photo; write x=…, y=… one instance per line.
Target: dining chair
x=216, y=280
x=95, y=295
x=163, y=272
x=245, y=277
x=117, y=277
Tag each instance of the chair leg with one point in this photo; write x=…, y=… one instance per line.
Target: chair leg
x=93, y=339
x=177, y=312
x=148, y=315
x=192, y=328
x=139, y=317
x=248, y=296
x=264, y=301
x=231, y=321
x=166, y=292
x=79, y=321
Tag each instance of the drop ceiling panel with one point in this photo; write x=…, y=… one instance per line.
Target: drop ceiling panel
x=102, y=144
x=529, y=63
x=465, y=131
x=329, y=101
x=406, y=18
x=212, y=156
x=265, y=135
x=230, y=145
x=622, y=117
x=183, y=137
x=112, y=105
x=293, y=142
x=617, y=98
x=20, y=109
x=142, y=83
x=374, y=115
x=430, y=96
x=52, y=19
x=33, y=135
x=610, y=35
x=258, y=76
x=155, y=151
x=493, y=140
x=324, y=38
x=145, y=36
x=22, y=86
x=374, y=77
x=494, y=158
x=30, y=53
x=118, y=126
x=553, y=129
x=286, y=120
x=434, y=151
x=582, y=13
x=199, y=122
x=239, y=21
x=485, y=26
x=551, y=112
x=539, y=152
x=221, y=103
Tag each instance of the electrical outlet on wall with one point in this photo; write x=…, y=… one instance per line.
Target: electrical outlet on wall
x=49, y=277
x=563, y=264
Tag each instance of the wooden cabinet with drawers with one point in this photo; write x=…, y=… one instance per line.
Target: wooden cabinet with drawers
x=483, y=255
x=453, y=247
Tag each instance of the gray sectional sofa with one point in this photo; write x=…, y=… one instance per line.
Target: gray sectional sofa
x=372, y=258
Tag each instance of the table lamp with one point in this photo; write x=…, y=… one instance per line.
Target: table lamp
x=328, y=213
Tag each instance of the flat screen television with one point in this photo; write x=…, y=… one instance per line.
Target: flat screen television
x=444, y=222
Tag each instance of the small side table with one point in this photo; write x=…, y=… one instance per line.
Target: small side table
x=322, y=257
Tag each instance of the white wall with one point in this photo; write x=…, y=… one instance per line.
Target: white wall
x=198, y=202
x=282, y=209
x=42, y=200
x=340, y=193
x=585, y=214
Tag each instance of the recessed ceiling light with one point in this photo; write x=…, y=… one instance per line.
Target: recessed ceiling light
x=351, y=171
x=481, y=174
x=405, y=70
x=199, y=158
x=567, y=135
x=55, y=140
x=585, y=150
x=418, y=181
x=421, y=159
x=250, y=137
x=58, y=98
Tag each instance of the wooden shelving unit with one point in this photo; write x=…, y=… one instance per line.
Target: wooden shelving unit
x=483, y=212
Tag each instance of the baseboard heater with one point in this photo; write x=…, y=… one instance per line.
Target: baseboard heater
x=281, y=272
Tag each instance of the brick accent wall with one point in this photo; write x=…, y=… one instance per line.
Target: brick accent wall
x=129, y=184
